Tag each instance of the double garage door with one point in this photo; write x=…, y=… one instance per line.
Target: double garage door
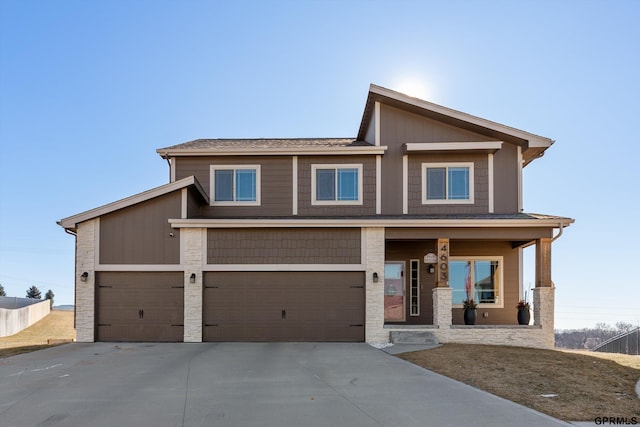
x=237, y=306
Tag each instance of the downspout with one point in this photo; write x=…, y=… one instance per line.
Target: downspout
x=561, y=229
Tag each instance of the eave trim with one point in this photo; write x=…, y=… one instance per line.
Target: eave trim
x=354, y=222
x=71, y=222
x=306, y=151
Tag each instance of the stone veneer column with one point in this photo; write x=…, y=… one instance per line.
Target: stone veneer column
x=193, y=253
x=543, y=312
x=85, y=291
x=442, y=316
x=373, y=240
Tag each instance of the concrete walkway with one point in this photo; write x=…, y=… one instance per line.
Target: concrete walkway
x=227, y=384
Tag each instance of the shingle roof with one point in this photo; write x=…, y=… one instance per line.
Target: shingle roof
x=266, y=143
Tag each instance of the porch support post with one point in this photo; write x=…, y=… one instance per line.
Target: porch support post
x=373, y=246
x=442, y=316
x=543, y=263
x=544, y=293
x=193, y=242
x=442, y=267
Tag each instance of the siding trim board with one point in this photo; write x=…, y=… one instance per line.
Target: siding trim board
x=552, y=222
x=139, y=267
x=490, y=179
x=283, y=267
x=378, y=185
x=484, y=146
x=294, y=185
x=405, y=184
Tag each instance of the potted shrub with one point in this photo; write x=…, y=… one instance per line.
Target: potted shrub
x=524, y=314
x=469, y=306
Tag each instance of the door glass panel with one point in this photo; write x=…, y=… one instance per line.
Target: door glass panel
x=394, y=292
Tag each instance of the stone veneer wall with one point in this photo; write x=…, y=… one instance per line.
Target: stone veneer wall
x=538, y=335
x=85, y=291
x=442, y=315
x=374, y=292
x=193, y=260
x=543, y=313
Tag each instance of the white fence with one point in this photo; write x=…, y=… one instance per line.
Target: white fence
x=17, y=314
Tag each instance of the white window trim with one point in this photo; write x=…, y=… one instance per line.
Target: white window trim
x=500, y=259
x=212, y=178
x=315, y=167
x=423, y=187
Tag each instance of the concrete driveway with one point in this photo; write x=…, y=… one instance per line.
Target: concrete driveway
x=243, y=384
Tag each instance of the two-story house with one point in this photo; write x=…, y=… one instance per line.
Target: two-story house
x=348, y=239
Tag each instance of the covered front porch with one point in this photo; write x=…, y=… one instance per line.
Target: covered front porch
x=425, y=277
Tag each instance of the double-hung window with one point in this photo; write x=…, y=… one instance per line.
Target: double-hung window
x=447, y=183
x=235, y=185
x=477, y=278
x=336, y=184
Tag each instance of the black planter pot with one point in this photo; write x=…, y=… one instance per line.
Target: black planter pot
x=470, y=316
x=523, y=316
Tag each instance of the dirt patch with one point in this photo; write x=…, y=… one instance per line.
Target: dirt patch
x=55, y=328
x=570, y=386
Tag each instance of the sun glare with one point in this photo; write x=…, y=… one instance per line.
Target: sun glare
x=413, y=87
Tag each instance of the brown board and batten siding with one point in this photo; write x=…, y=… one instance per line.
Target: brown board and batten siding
x=275, y=181
x=193, y=204
x=398, y=127
x=284, y=246
x=368, y=206
x=141, y=234
x=505, y=179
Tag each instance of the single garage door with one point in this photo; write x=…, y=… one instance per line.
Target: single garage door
x=284, y=306
x=140, y=306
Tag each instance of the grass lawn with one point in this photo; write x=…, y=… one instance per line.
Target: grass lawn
x=57, y=327
x=586, y=384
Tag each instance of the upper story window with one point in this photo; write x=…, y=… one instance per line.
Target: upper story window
x=447, y=183
x=336, y=184
x=477, y=278
x=235, y=185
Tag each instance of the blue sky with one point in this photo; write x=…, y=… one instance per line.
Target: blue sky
x=89, y=90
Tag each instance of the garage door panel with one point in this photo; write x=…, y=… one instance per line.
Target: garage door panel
x=161, y=333
x=140, y=306
x=309, y=332
x=284, y=306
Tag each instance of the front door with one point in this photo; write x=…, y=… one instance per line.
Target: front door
x=394, y=300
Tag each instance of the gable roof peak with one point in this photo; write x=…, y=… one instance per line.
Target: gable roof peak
x=533, y=146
